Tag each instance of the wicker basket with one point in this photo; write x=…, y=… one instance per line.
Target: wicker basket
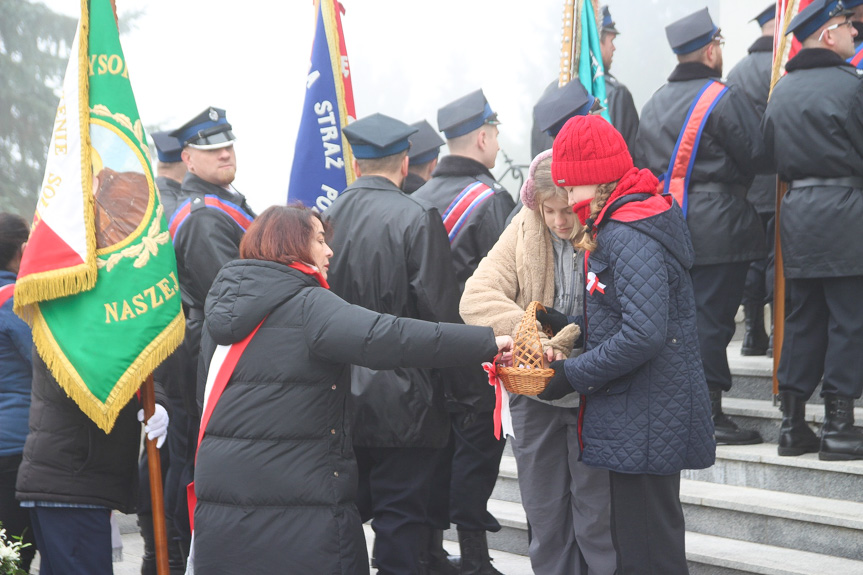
x=528, y=376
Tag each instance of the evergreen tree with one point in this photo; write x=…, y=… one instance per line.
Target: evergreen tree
x=34, y=49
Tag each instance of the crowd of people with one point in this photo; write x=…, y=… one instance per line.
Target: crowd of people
x=356, y=391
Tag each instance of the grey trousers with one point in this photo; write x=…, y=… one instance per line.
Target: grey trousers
x=568, y=504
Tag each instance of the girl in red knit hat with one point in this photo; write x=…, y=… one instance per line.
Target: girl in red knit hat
x=645, y=411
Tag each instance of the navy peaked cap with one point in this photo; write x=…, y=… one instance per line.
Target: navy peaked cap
x=208, y=130
x=465, y=115
x=691, y=32
x=555, y=107
x=811, y=18
x=168, y=148
x=766, y=15
x=378, y=136
x=425, y=144
x=608, y=24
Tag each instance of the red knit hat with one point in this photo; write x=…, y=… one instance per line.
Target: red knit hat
x=588, y=150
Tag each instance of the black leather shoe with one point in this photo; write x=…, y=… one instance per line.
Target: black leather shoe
x=726, y=431
x=795, y=437
x=755, y=340
x=840, y=440
x=474, y=554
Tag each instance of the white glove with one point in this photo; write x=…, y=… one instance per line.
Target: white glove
x=157, y=426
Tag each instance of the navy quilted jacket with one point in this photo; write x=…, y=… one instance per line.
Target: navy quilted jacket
x=647, y=407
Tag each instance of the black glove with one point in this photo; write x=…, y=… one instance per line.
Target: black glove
x=558, y=386
x=553, y=318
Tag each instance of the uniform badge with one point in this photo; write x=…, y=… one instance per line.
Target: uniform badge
x=214, y=115
x=593, y=284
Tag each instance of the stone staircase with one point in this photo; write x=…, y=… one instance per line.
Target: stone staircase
x=753, y=512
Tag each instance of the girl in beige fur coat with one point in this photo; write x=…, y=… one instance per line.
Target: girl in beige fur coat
x=567, y=503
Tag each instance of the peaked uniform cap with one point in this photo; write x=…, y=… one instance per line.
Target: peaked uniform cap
x=691, y=32
x=378, y=136
x=557, y=106
x=425, y=144
x=767, y=15
x=168, y=148
x=810, y=19
x=209, y=130
x=465, y=115
x=608, y=24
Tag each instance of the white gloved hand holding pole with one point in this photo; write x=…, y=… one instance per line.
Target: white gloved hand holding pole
x=157, y=426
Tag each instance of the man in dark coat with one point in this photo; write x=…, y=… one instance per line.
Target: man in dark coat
x=813, y=128
x=621, y=107
x=392, y=256
x=725, y=228
x=474, y=208
x=206, y=228
x=422, y=156
x=752, y=74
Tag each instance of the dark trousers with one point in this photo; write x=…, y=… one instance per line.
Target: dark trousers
x=718, y=291
x=181, y=443
x=73, y=541
x=758, y=289
x=823, y=337
x=15, y=519
x=393, y=492
x=465, y=475
x=647, y=525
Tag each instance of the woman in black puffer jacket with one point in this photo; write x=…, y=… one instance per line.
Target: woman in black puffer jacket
x=275, y=475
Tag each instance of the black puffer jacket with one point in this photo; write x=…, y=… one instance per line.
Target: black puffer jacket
x=813, y=132
x=68, y=459
x=725, y=228
x=275, y=476
x=392, y=256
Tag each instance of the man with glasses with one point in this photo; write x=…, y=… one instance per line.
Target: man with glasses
x=474, y=208
x=703, y=138
x=813, y=129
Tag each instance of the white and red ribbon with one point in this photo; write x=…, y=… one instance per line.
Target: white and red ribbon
x=502, y=415
x=593, y=283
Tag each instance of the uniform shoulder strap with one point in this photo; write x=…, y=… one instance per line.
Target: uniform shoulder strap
x=461, y=208
x=197, y=201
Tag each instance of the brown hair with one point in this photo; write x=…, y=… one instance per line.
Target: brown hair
x=13, y=233
x=282, y=234
x=387, y=164
x=603, y=192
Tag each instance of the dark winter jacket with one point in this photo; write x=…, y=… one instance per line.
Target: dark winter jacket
x=170, y=194
x=392, y=256
x=621, y=109
x=207, y=239
x=68, y=459
x=752, y=74
x=474, y=237
x=725, y=228
x=16, y=372
x=647, y=407
x=813, y=128
x=412, y=183
x=276, y=477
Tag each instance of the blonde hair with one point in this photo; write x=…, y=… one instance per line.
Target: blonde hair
x=603, y=192
x=545, y=189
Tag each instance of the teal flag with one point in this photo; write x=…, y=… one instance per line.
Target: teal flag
x=590, y=70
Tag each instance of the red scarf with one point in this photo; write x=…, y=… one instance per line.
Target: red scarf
x=582, y=210
x=312, y=271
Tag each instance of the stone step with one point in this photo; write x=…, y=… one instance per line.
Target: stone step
x=506, y=488
x=706, y=554
x=762, y=415
x=814, y=524
x=760, y=467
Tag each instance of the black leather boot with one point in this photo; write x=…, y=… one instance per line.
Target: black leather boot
x=474, y=554
x=148, y=561
x=795, y=437
x=840, y=440
x=755, y=340
x=437, y=557
x=727, y=432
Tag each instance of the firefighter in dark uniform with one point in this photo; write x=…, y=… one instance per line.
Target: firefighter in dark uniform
x=206, y=229
x=170, y=170
x=813, y=129
x=621, y=107
x=392, y=256
x=752, y=75
x=422, y=156
x=474, y=208
x=726, y=231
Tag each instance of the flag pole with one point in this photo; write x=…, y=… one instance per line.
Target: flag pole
x=154, y=463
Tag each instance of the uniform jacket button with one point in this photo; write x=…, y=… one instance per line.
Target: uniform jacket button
x=336, y=473
x=333, y=431
x=334, y=388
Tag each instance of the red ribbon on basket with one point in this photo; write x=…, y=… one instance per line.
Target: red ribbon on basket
x=494, y=381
